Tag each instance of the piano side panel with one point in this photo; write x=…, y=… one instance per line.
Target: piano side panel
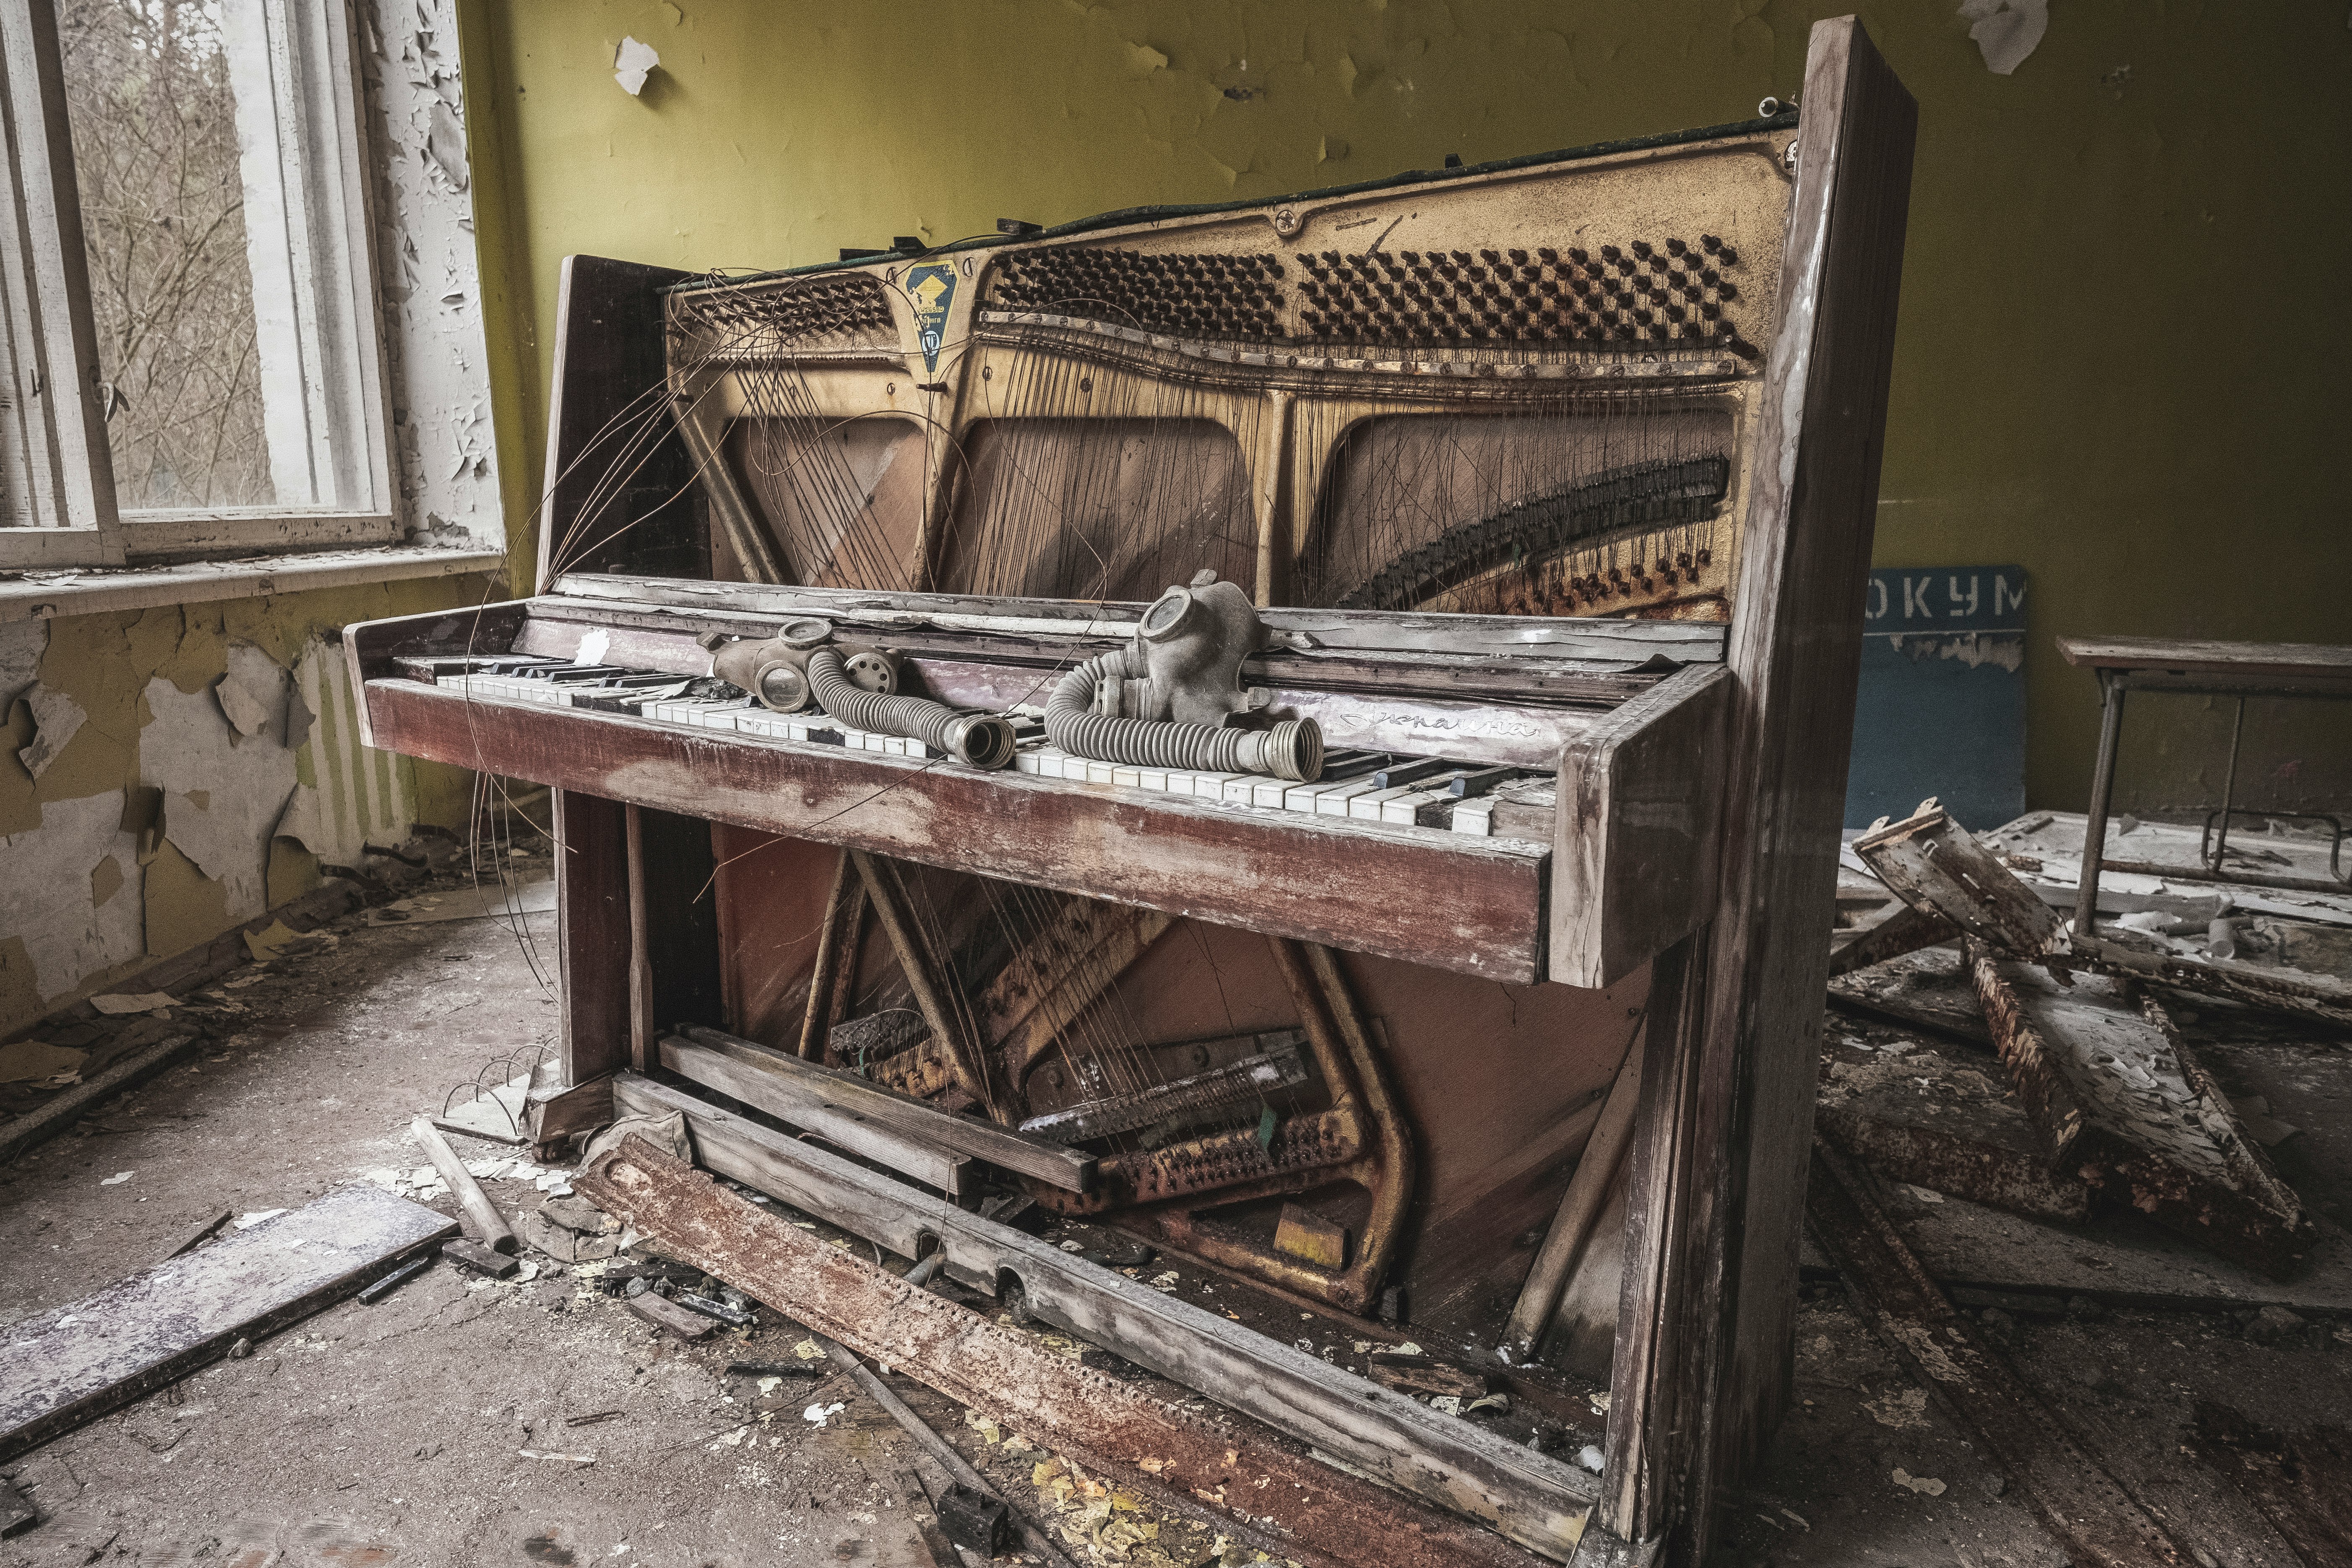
x=1470, y=904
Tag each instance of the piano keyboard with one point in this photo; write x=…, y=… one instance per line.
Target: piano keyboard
x=1389, y=788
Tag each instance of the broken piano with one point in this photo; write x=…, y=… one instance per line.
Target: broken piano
x=1308, y=732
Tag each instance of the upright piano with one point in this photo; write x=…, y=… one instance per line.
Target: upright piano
x=1459, y=965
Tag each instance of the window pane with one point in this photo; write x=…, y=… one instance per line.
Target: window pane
x=162, y=201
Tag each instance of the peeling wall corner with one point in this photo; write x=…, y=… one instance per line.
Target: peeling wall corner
x=428, y=275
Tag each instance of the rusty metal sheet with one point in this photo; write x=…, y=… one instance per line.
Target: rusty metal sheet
x=1328, y=1517
x=71, y=1365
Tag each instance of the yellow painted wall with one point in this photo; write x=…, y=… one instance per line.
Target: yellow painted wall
x=2122, y=359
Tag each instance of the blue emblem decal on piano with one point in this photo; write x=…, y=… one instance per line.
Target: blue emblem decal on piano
x=932, y=288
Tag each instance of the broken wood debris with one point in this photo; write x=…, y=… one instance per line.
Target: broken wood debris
x=1944, y=1120
x=495, y=1232
x=1102, y=1420
x=926, y=1521
x=1938, y=868
x=2124, y=1103
x=959, y=1470
x=386, y=1283
x=473, y=1256
x=664, y=1313
x=18, y=1515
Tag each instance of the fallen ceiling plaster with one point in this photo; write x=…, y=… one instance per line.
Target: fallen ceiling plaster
x=50, y=886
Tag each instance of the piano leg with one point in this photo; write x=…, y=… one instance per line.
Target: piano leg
x=592, y=912
x=635, y=926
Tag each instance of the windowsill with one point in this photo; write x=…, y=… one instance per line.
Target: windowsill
x=94, y=590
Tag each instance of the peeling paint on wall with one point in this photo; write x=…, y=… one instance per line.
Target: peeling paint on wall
x=347, y=795
x=441, y=430
x=221, y=800
x=55, y=873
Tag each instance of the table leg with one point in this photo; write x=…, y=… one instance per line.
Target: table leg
x=2102, y=786
x=2229, y=792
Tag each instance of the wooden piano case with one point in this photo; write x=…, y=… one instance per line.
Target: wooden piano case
x=1563, y=466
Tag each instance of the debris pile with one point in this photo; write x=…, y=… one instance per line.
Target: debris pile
x=2097, y=1101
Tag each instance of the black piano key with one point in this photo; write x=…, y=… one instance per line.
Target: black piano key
x=1481, y=781
x=1405, y=771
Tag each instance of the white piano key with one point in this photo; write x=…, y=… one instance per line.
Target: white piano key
x=1475, y=816
x=1301, y=796
x=1097, y=771
x=1268, y=792
x=1365, y=807
x=1154, y=779
x=1238, y=789
x=1335, y=802
x=1126, y=778
x=1429, y=802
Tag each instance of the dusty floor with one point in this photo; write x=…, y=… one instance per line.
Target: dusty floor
x=465, y=1421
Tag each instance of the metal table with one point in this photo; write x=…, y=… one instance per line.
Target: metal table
x=2239, y=669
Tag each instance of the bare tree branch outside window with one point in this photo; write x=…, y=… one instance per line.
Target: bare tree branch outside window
x=162, y=201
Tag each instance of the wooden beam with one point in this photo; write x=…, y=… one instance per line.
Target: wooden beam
x=836, y=1124
x=1436, y=1458
x=1727, y=1162
x=805, y=1084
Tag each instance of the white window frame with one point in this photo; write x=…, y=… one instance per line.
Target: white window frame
x=310, y=238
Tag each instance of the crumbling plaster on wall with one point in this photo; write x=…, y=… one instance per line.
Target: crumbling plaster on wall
x=216, y=769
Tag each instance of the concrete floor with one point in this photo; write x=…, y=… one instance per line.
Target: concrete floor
x=404, y=1432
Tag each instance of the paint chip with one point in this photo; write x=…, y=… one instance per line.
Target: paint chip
x=2006, y=31
x=1926, y=1486
x=117, y=1179
x=631, y=62
x=57, y=720
x=116, y=1004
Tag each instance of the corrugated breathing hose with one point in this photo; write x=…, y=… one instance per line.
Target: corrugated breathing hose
x=1292, y=748
x=982, y=740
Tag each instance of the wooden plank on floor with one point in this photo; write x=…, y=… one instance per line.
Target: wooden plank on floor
x=61, y=1368
x=2085, y=1509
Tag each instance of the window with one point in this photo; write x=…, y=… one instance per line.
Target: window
x=193, y=364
